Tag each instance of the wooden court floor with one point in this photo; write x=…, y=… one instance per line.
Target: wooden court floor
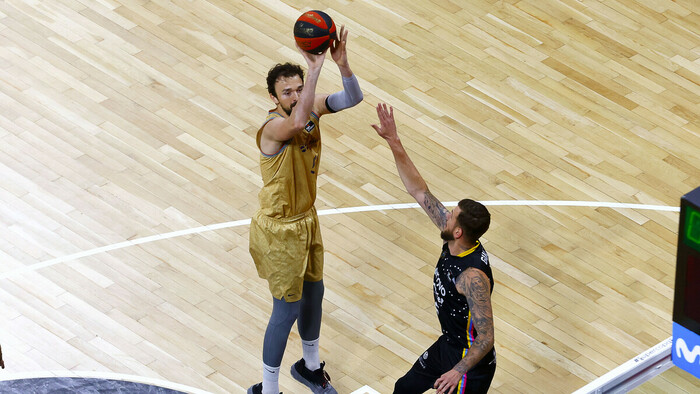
x=126, y=119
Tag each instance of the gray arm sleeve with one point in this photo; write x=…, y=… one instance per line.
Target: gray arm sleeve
x=349, y=97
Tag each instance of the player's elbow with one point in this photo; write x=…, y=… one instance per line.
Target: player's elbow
x=490, y=341
x=488, y=338
x=417, y=194
x=359, y=98
x=298, y=124
x=283, y=134
x=417, y=191
x=353, y=98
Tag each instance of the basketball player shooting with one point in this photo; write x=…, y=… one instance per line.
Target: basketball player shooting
x=285, y=238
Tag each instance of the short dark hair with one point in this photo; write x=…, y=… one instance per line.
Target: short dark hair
x=285, y=70
x=474, y=219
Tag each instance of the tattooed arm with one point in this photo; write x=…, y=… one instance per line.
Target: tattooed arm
x=473, y=284
x=411, y=178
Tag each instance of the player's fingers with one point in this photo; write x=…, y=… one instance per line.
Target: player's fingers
x=387, y=115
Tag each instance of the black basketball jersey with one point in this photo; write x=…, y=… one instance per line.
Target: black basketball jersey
x=452, y=307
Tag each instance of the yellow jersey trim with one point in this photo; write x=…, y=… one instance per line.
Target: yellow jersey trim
x=467, y=252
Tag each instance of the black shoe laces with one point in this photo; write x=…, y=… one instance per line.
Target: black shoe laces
x=321, y=376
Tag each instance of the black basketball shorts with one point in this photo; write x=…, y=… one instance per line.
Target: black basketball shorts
x=441, y=357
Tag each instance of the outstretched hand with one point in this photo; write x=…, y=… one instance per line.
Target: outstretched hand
x=387, y=126
x=338, y=48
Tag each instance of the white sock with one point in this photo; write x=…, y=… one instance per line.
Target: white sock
x=271, y=380
x=311, y=358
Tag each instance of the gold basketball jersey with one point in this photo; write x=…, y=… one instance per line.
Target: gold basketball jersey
x=289, y=176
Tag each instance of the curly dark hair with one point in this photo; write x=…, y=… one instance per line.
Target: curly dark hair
x=474, y=219
x=285, y=70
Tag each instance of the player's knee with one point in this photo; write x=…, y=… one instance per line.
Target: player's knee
x=313, y=291
x=291, y=318
x=284, y=315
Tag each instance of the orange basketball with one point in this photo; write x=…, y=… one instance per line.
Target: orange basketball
x=314, y=31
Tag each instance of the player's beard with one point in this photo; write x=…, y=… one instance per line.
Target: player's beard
x=446, y=235
x=288, y=111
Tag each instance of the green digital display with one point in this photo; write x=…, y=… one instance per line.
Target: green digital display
x=686, y=295
x=692, y=227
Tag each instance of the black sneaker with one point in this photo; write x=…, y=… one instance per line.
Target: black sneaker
x=318, y=381
x=255, y=389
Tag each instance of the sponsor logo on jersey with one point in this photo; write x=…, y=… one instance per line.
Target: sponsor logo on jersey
x=309, y=126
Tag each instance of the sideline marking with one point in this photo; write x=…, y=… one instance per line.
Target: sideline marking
x=332, y=211
x=365, y=390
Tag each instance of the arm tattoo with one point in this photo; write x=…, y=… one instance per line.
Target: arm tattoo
x=474, y=284
x=435, y=210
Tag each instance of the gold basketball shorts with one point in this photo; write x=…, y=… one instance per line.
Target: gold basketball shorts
x=287, y=252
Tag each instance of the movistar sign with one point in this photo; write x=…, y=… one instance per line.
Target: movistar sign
x=683, y=351
x=686, y=349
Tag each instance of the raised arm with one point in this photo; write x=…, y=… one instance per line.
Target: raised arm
x=411, y=178
x=473, y=284
x=279, y=130
x=351, y=94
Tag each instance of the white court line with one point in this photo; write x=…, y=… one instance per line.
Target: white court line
x=104, y=375
x=121, y=245
x=332, y=211
x=365, y=390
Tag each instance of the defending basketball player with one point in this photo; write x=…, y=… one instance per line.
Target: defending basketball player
x=463, y=359
x=285, y=238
